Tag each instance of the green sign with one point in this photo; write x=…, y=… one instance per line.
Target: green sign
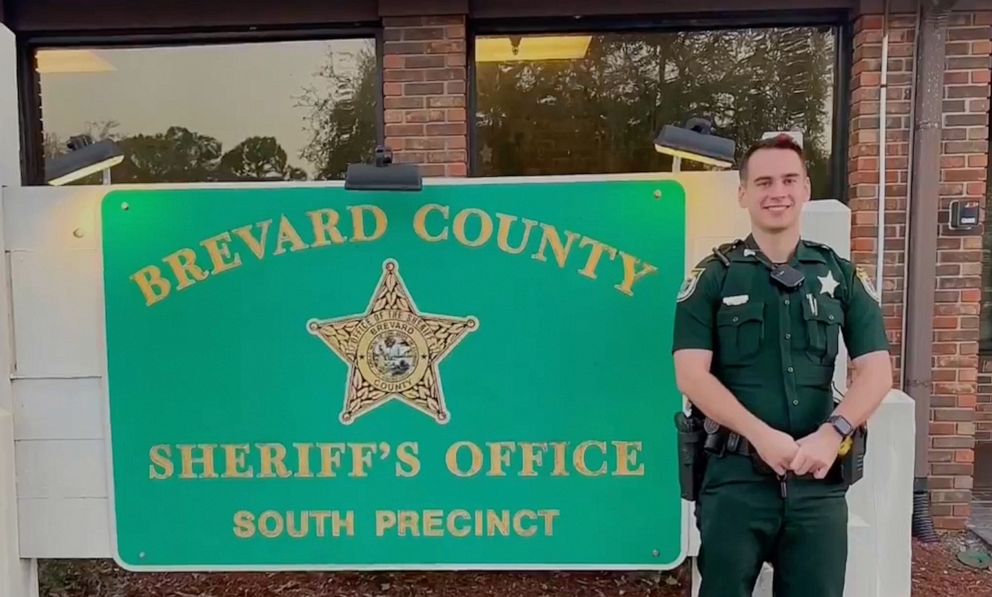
x=475, y=375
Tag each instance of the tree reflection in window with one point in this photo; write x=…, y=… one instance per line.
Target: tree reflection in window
x=219, y=113
x=600, y=113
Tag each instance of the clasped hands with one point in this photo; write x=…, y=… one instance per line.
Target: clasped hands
x=814, y=453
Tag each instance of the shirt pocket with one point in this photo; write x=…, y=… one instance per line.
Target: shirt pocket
x=824, y=319
x=740, y=330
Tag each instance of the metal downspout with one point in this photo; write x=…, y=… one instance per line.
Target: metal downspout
x=924, y=202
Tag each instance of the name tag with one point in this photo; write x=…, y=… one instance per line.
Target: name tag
x=739, y=299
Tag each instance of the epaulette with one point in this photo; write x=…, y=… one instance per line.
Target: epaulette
x=723, y=250
x=827, y=248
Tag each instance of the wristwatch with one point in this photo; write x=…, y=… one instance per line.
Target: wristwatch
x=841, y=425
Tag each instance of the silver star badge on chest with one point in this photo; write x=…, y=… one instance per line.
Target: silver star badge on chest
x=828, y=284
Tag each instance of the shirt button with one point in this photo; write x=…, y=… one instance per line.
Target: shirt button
x=735, y=319
x=786, y=301
x=795, y=403
x=788, y=336
x=789, y=369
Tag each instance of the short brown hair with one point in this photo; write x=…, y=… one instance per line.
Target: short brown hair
x=781, y=141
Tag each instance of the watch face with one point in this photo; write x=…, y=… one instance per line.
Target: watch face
x=842, y=426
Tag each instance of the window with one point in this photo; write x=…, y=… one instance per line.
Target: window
x=593, y=103
x=293, y=110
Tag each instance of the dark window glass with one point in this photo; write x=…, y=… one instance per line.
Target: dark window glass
x=582, y=104
x=297, y=110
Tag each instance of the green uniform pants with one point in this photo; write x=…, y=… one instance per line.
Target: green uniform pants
x=744, y=521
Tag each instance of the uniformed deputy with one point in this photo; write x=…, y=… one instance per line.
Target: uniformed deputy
x=756, y=338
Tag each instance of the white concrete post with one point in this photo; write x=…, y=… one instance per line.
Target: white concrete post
x=18, y=577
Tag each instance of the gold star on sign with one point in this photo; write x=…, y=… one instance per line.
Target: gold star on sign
x=393, y=350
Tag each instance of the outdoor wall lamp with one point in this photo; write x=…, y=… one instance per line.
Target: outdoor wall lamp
x=695, y=142
x=84, y=158
x=383, y=175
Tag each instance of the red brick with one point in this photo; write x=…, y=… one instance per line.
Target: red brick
x=393, y=61
x=422, y=33
x=945, y=323
x=446, y=101
x=456, y=170
x=964, y=456
x=432, y=170
x=423, y=89
x=968, y=33
x=404, y=130
x=950, y=523
x=425, y=61
x=392, y=89
x=404, y=103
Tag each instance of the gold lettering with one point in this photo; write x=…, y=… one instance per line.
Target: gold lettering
x=330, y=458
x=302, y=531
x=325, y=227
x=531, y=457
x=263, y=526
x=452, y=529
x=630, y=273
x=550, y=237
x=320, y=518
x=220, y=254
x=234, y=461
x=519, y=529
x=485, y=232
x=500, y=456
x=452, y=459
x=433, y=523
x=273, y=456
x=361, y=457
x=408, y=522
x=347, y=523
x=406, y=453
x=183, y=264
x=560, y=459
x=303, y=457
x=497, y=521
x=288, y=234
x=626, y=457
x=579, y=459
x=595, y=254
x=244, y=525
x=503, y=236
x=152, y=285
x=549, y=517
x=358, y=221
x=257, y=246
x=384, y=519
x=420, y=222
x=161, y=457
x=207, y=460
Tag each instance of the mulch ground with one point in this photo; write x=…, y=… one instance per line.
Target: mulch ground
x=936, y=573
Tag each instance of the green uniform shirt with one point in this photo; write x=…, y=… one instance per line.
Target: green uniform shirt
x=775, y=349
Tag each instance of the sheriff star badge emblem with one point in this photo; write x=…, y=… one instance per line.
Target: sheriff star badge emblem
x=393, y=350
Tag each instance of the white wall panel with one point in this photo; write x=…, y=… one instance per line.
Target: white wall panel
x=58, y=321
x=64, y=528
x=74, y=468
x=59, y=409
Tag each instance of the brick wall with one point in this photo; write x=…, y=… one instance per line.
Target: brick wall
x=964, y=162
x=424, y=84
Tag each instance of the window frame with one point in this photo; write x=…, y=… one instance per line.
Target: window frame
x=843, y=55
x=29, y=82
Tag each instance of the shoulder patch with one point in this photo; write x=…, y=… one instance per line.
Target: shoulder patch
x=690, y=283
x=867, y=285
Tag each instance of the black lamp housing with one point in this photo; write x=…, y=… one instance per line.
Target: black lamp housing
x=383, y=175
x=84, y=158
x=696, y=142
